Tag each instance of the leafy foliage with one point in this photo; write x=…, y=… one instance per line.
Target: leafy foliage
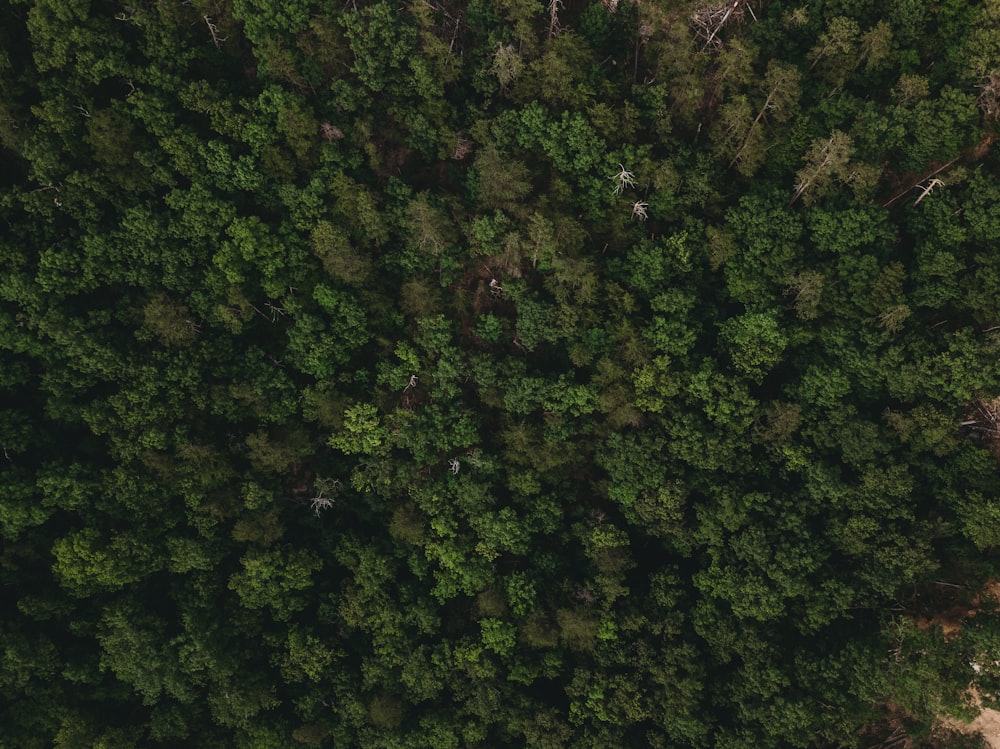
x=497, y=373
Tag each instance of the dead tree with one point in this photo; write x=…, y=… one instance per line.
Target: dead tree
x=928, y=188
x=989, y=96
x=985, y=418
x=463, y=147
x=913, y=185
x=330, y=132
x=710, y=20
x=624, y=178
x=321, y=502
x=554, y=7
x=214, y=31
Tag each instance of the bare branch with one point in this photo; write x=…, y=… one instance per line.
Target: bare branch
x=321, y=502
x=711, y=19
x=898, y=195
x=276, y=311
x=625, y=179
x=989, y=97
x=463, y=147
x=985, y=418
x=214, y=31
x=554, y=7
x=928, y=188
x=330, y=132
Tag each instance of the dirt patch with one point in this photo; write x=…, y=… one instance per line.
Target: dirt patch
x=982, y=148
x=950, y=621
x=988, y=726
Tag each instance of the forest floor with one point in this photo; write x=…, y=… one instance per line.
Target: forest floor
x=987, y=724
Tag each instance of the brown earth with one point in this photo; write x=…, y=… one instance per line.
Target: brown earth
x=987, y=724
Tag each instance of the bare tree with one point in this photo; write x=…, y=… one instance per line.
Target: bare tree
x=554, y=7
x=214, y=31
x=985, y=417
x=625, y=178
x=463, y=147
x=710, y=20
x=331, y=132
x=321, y=502
x=918, y=183
x=989, y=96
x=931, y=184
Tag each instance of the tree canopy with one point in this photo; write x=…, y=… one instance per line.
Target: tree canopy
x=497, y=373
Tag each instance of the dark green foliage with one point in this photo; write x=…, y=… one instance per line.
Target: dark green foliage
x=496, y=374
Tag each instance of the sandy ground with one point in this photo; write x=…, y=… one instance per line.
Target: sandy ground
x=988, y=724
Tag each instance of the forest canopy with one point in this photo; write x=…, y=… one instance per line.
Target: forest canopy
x=498, y=373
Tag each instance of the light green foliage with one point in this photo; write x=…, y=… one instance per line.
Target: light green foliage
x=362, y=432
x=507, y=64
x=836, y=51
x=266, y=16
x=499, y=181
x=306, y=657
x=755, y=342
x=498, y=636
x=275, y=580
x=170, y=323
x=86, y=563
x=827, y=161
